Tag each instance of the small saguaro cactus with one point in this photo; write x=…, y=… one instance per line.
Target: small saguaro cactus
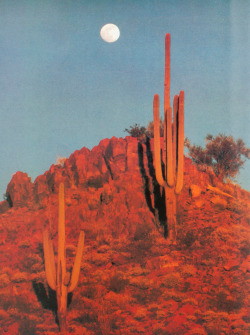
x=173, y=156
x=61, y=281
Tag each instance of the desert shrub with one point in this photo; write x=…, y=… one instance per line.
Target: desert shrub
x=27, y=327
x=103, y=237
x=191, y=301
x=172, y=295
x=143, y=283
x=239, y=327
x=4, y=280
x=60, y=160
x=142, y=232
x=141, y=243
x=106, y=322
x=160, y=331
x=222, y=234
x=24, y=244
x=86, y=317
x=95, y=232
x=117, y=282
x=140, y=132
x=189, y=239
x=89, y=291
x=32, y=263
x=225, y=302
x=141, y=297
x=197, y=331
x=172, y=280
x=236, y=207
x=188, y=270
x=146, y=295
x=99, y=259
x=245, y=248
x=140, y=313
x=216, y=323
x=7, y=300
x=19, y=277
x=137, y=270
x=222, y=153
x=155, y=293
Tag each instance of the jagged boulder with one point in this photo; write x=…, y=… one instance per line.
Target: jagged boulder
x=132, y=154
x=19, y=192
x=116, y=156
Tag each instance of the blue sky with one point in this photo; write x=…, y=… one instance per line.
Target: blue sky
x=62, y=87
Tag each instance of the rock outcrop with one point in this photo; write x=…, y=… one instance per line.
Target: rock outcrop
x=90, y=168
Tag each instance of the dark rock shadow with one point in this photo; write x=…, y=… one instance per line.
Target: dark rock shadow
x=158, y=207
x=47, y=298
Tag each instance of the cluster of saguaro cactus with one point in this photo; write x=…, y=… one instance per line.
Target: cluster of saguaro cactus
x=61, y=281
x=173, y=156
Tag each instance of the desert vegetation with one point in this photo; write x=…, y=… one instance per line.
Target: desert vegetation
x=222, y=153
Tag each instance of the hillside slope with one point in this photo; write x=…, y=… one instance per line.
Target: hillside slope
x=132, y=280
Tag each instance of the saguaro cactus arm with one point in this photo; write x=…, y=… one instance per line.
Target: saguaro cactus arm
x=169, y=145
x=157, y=142
x=49, y=261
x=174, y=130
x=77, y=263
x=180, y=153
x=61, y=229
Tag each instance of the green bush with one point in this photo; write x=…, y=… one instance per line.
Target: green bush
x=142, y=132
x=222, y=153
x=137, y=131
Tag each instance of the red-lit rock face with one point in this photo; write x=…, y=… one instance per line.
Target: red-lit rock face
x=20, y=190
x=83, y=168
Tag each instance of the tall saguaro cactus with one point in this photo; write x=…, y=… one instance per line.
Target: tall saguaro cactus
x=173, y=156
x=61, y=281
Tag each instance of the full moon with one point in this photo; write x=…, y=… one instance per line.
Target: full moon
x=110, y=33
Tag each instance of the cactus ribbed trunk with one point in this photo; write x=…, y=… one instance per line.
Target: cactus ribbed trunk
x=169, y=145
x=166, y=93
x=170, y=198
x=61, y=290
x=157, y=142
x=167, y=73
x=173, y=155
x=175, y=111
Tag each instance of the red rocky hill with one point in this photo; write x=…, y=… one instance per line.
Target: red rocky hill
x=132, y=280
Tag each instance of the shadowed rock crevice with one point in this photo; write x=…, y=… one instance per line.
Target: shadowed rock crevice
x=158, y=207
x=9, y=200
x=108, y=167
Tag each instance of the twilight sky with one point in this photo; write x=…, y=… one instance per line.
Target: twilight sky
x=62, y=87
